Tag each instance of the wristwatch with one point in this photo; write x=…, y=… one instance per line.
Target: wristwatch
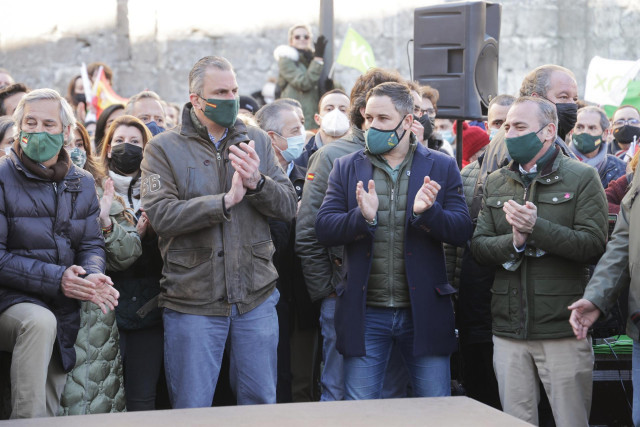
x=259, y=186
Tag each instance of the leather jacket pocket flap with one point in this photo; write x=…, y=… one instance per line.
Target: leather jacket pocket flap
x=445, y=289
x=264, y=250
x=188, y=258
x=555, y=198
x=497, y=201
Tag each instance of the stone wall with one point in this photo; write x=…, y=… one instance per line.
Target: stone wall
x=153, y=45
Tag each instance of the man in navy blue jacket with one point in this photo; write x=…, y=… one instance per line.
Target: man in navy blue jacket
x=395, y=285
x=51, y=253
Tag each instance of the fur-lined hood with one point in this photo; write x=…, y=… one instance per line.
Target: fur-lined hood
x=284, y=51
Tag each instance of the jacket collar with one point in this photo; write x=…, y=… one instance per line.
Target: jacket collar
x=422, y=161
x=298, y=173
x=192, y=128
x=71, y=173
x=551, y=167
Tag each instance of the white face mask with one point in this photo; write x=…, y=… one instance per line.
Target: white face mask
x=335, y=123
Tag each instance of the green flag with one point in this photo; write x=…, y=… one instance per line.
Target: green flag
x=356, y=52
x=631, y=98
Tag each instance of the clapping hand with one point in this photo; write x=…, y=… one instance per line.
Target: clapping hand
x=246, y=162
x=426, y=196
x=522, y=219
x=105, y=202
x=367, y=201
x=96, y=288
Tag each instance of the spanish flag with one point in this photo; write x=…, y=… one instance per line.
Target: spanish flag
x=104, y=95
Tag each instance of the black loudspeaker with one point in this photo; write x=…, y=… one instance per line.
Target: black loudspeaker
x=456, y=51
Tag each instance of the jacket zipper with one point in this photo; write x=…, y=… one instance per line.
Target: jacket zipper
x=55, y=220
x=392, y=217
x=524, y=321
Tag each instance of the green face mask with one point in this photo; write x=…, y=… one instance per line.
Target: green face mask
x=380, y=141
x=586, y=143
x=222, y=111
x=524, y=148
x=41, y=146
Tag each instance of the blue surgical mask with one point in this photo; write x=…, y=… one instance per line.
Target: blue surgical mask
x=492, y=133
x=448, y=136
x=154, y=128
x=295, y=145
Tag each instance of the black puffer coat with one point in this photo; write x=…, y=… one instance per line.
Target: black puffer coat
x=45, y=227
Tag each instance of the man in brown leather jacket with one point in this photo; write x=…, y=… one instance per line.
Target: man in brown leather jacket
x=208, y=188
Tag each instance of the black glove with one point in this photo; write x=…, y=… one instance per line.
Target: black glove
x=328, y=84
x=321, y=44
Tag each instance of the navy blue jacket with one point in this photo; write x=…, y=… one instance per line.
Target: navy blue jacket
x=340, y=222
x=613, y=170
x=46, y=227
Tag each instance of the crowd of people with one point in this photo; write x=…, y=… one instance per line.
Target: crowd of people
x=315, y=246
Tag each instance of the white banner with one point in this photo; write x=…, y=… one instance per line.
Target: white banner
x=607, y=80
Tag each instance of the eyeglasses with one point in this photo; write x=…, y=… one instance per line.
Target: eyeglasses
x=298, y=37
x=632, y=122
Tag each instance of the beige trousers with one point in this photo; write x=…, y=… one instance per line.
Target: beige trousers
x=565, y=368
x=37, y=379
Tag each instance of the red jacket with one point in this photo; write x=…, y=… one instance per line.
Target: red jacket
x=616, y=191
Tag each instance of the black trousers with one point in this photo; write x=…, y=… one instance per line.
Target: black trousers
x=142, y=354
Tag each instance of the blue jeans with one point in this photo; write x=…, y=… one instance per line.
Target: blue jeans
x=635, y=378
x=364, y=376
x=193, y=348
x=332, y=378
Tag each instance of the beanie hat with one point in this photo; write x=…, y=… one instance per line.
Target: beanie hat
x=248, y=103
x=473, y=140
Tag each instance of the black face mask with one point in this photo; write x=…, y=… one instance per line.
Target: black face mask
x=125, y=158
x=80, y=97
x=624, y=134
x=426, y=124
x=567, y=116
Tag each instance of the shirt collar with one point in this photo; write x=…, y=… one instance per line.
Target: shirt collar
x=213, y=138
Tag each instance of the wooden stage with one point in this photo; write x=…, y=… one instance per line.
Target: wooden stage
x=437, y=411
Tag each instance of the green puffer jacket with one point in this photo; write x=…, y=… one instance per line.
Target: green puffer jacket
x=298, y=77
x=614, y=272
x=95, y=385
x=388, y=285
x=453, y=254
x=532, y=289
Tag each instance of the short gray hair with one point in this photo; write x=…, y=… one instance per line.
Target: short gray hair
x=399, y=93
x=503, y=100
x=290, y=101
x=66, y=112
x=604, y=120
x=269, y=116
x=538, y=81
x=546, y=109
x=196, y=76
x=145, y=94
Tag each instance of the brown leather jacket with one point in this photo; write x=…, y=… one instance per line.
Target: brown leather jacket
x=212, y=258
